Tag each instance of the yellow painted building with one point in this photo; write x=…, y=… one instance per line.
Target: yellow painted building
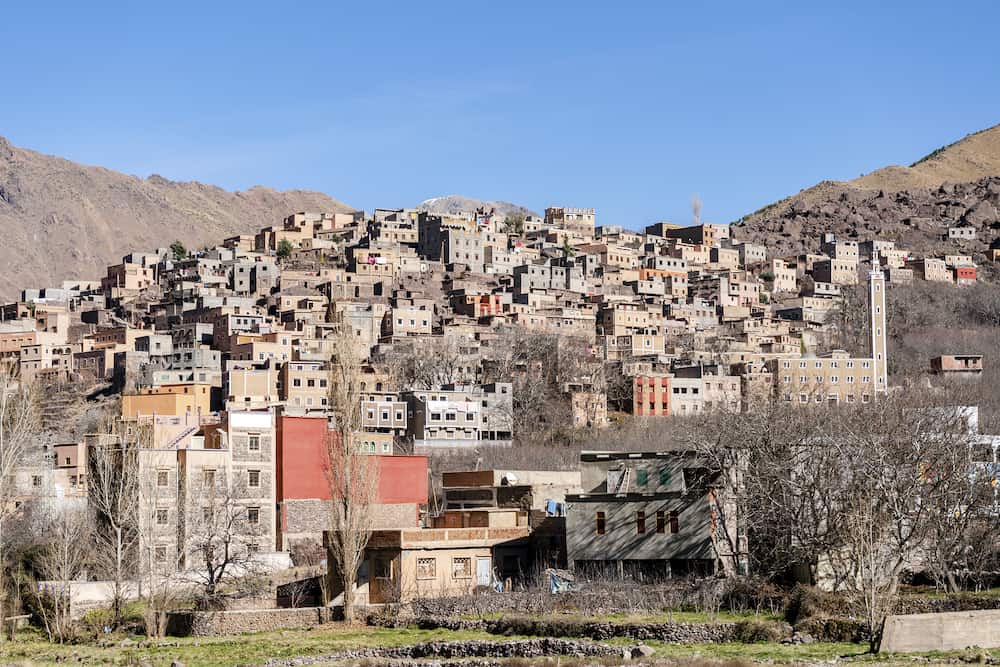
x=169, y=399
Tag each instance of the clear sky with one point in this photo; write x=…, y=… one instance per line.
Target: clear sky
x=627, y=107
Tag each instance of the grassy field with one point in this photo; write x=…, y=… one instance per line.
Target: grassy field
x=32, y=649
x=255, y=649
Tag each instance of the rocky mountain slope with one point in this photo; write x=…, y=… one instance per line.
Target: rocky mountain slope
x=956, y=184
x=63, y=220
x=459, y=204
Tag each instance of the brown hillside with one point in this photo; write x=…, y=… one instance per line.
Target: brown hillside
x=63, y=220
x=906, y=204
x=972, y=158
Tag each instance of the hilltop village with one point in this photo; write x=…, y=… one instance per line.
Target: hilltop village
x=471, y=332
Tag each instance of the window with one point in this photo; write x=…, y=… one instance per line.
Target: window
x=450, y=417
x=254, y=443
x=470, y=417
x=426, y=568
x=254, y=478
x=206, y=514
x=661, y=522
x=674, y=523
x=162, y=477
x=253, y=548
x=664, y=477
x=600, y=523
x=160, y=553
x=640, y=523
x=162, y=516
x=36, y=480
x=253, y=515
x=642, y=476
x=436, y=416
x=208, y=478
x=461, y=568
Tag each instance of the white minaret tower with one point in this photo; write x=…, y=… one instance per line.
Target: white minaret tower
x=878, y=333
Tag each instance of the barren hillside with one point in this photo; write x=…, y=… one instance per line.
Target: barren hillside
x=64, y=220
x=954, y=184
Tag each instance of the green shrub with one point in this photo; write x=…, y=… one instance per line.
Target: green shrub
x=757, y=630
x=833, y=629
x=94, y=621
x=808, y=601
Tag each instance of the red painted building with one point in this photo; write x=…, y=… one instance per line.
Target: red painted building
x=651, y=395
x=303, y=489
x=965, y=275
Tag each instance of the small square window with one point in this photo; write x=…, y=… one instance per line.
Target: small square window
x=254, y=478
x=162, y=517
x=461, y=568
x=426, y=568
x=253, y=515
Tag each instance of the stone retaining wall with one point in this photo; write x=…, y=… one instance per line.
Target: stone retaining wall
x=686, y=633
x=213, y=623
x=525, y=648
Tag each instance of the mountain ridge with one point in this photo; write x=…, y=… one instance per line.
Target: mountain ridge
x=64, y=220
x=451, y=204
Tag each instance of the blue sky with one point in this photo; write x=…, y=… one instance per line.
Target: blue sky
x=628, y=107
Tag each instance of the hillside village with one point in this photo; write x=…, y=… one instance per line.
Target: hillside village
x=471, y=332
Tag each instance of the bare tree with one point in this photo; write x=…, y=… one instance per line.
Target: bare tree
x=223, y=537
x=113, y=493
x=62, y=562
x=159, y=555
x=18, y=425
x=352, y=474
x=870, y=560
x=428, y=363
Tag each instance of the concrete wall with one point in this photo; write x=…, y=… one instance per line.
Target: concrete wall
x=941, y=632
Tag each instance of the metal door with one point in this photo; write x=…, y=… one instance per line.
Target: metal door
x=484, y=572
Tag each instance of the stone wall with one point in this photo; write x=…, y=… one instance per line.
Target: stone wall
x=306, y=519
x=524, y=648
x=686, y=633
x=213, y=623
